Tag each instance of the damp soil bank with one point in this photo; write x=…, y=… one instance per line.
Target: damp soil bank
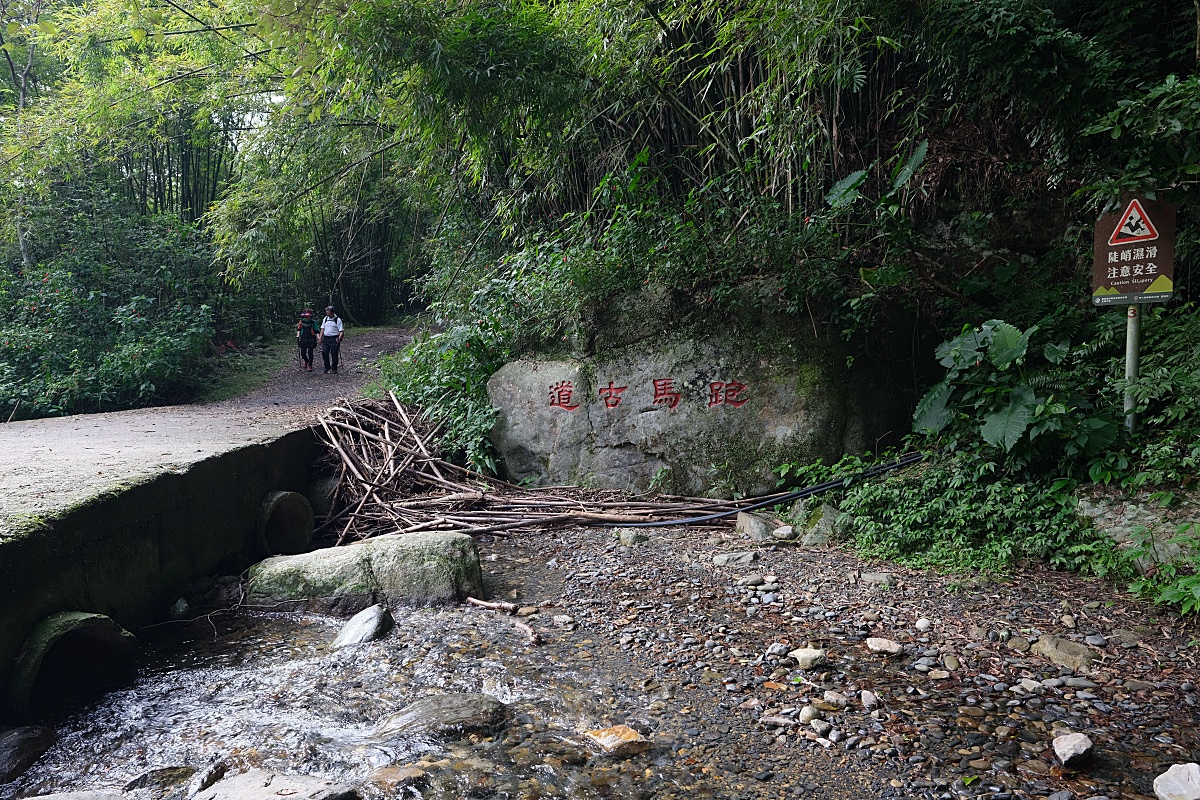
x=694, y=656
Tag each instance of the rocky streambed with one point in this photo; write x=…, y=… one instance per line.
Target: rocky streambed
x=719, y=667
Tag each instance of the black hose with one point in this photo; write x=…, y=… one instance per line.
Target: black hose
x=773, y=500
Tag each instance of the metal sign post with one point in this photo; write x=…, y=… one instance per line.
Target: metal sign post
x=1134, y=263
x=1133, y=344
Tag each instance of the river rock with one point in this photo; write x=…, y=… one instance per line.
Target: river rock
x=619, y=740
x=821, y=526
x=161, y=778
x=885, y=646
x=753, y=527
x=630, y=537
x=735, y=559
x=659, y=410
x=877, y=579
x=19, y=748
x=365, y=626
x=1063, y=651
x=415, y=569
x=261, y=784
x=445, y=715
x=808, y=658
x=1180, y=782
x=1072, y=749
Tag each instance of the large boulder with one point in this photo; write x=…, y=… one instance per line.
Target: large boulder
x=409, y=569
x=261, y=784
x=686, y=415
x=19, y=748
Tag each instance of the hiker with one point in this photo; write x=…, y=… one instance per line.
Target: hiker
x=330, y=335
x=306, y=337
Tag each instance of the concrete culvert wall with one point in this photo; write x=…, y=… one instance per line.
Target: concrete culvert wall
x=285, y=523
x=69, y=657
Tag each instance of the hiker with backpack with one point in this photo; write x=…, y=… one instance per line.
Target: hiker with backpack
x=306, y=337
x=330, y=336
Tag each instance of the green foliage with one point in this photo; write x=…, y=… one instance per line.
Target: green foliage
x=1006, y=402
x=954, y=514
x=1175, y=580
x=117, y=315
x=446, y=375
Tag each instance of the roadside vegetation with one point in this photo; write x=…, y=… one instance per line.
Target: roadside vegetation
x=918, y=181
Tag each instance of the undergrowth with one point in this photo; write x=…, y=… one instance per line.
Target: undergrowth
x=1020, y=421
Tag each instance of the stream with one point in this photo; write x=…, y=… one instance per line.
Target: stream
x=264, y=690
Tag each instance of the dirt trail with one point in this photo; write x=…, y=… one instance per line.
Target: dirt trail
x=56, y=463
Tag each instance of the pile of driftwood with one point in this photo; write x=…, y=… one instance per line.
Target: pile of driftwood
x=392, y=481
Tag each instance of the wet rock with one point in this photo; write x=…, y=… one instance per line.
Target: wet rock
x=808, y=658
x=393, y=779
x=753, y=527
x=416, y=568
x=1072, y=749
x=1063, y=651
x=163, y=778
x=260, y=784
x=207, y=777
x=619, y=740
x=735, y=559
x=365, y=626
x=445, y=715
x=885, y=646
x=19, y=748
x=1180, y=782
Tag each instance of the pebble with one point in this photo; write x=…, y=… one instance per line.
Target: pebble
x=808, y=658
x=884, y=646
x=1072, y=749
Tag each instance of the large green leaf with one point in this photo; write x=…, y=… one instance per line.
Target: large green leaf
x=1008, y=344
x=905, y=173
x=845, y=191
x=1004, y=428
x=931, y=414
x=962, y=351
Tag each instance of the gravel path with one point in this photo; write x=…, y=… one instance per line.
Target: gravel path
x=59, y=462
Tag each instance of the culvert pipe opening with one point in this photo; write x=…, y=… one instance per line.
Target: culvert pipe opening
x=285, y=523
x=68, y=658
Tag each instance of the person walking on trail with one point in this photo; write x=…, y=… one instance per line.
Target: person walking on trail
x=330, y=336
x=306, y=337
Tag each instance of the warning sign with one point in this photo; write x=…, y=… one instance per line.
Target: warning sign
x=1134, y=226
x=1134, y=254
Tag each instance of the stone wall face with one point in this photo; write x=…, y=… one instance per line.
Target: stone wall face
x=686, y=416
x=125, y=553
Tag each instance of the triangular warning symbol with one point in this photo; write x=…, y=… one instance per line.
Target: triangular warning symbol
x=1135, y=226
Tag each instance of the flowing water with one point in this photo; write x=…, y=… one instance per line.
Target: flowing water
x=264, y=689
